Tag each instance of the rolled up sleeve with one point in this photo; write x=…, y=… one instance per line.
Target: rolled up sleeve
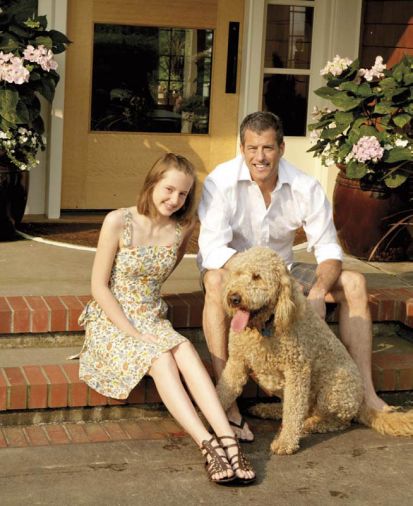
x=215, y=232
x=319, y=226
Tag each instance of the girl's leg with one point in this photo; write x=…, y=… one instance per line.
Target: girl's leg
x=165, y=374
x=204, y=393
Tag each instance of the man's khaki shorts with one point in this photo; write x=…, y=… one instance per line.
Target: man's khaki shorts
x=304, y=273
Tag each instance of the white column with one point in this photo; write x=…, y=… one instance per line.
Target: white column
x=252, y=57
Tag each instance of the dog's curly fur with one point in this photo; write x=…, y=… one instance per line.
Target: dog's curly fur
x=301, y=360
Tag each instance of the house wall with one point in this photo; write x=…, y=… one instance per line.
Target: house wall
x=387, y=30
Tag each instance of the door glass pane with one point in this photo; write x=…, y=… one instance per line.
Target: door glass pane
x=148, y=79
x=287, y=97
x=288, y=36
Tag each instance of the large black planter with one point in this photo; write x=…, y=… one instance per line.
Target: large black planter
x=14, y=185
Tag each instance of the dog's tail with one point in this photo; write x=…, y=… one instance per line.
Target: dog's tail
x=392, y=422
x=271, y=411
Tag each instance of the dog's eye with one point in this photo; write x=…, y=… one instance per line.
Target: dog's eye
x=256, y=277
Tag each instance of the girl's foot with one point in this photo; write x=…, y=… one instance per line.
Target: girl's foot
x=239, y=462
x=217, y=466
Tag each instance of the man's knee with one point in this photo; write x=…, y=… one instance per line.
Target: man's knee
x=354, y=285
x=213, y=283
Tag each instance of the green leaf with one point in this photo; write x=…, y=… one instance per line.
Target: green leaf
x=408, y=78
x=343, y=118
x=43, y=21
x=398, y=155
x=8, y=42
x=332, y=133
x=365, y=91
x=355, y=170
x=394, y=180
x=46, y=88
x=349, y=86
x=45, y=41
x=345, y=102
x=20, y=31
x=388, y=83
x=22, y=113
x=401, y=120
x=58, y=37
x=326, y=92
x=8, y=103
x=384, y=108
x=368, y=131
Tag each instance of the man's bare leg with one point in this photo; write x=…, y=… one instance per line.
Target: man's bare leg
x=215, y=326
x=356, y=328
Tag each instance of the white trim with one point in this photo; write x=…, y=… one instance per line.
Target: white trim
x=296, y=72
x=54, y=187
x=294, y=3
x=73, y=246
x=252, y=57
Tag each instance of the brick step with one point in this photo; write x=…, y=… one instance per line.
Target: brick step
x=34, y=314
x=33, y=382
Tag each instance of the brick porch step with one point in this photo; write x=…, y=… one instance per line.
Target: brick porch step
x=35, y=314
x=58, y=385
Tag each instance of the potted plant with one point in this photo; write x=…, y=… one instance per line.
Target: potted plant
x=368, y=136
x=27, y=71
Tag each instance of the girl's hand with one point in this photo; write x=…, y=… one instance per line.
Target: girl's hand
x=150, y=338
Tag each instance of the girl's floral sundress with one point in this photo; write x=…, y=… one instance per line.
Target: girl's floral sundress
x=112, y=362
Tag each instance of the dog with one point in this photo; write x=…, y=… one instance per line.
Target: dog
x=278, y=338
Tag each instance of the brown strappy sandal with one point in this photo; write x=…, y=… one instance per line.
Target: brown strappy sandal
x=238, y=460
x=217, y=463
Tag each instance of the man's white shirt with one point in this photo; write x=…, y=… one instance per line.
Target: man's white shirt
x=234, y=217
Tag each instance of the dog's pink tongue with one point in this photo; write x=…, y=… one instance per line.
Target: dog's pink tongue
x=239, y=320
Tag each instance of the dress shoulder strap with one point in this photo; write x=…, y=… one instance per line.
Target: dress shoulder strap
x=178, y=233
x=127, y=228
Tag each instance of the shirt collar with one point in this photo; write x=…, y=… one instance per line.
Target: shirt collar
x=283, y=174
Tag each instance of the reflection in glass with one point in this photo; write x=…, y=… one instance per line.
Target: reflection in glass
x=288, y=35
x=148, y=79
x=287, y=97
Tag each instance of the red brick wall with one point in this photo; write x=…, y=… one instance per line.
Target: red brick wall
x=387, y=30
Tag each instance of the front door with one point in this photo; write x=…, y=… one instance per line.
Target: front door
x=144, y=78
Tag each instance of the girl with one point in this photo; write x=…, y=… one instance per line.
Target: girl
x=127, y=333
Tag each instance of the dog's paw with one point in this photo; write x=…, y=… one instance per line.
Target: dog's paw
x=283, y=447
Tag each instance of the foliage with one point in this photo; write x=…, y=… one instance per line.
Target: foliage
x=370, y=130
x=195, y=104
x=27, y=71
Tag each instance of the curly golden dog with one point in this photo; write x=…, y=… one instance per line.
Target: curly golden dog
x=290, y=351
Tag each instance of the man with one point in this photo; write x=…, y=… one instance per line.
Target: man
x=258, y=198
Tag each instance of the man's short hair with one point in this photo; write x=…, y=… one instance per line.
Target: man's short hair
x=261, y=121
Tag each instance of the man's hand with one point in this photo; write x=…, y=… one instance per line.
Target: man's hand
x=316, y=299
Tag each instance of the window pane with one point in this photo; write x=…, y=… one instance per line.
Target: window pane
x=288, y=36
x=287, y=97
x=148, y=79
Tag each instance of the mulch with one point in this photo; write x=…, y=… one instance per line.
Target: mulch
x=87, y=234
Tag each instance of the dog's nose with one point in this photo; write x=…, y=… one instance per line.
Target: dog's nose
x=235, y=299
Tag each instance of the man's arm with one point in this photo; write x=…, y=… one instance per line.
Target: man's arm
x=216, y=232
x=327, y=274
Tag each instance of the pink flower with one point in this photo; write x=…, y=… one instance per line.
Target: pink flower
x=40, y=55
x=368, y=148
x=12, y=69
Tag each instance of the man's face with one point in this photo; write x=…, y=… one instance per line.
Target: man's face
x=262, y=155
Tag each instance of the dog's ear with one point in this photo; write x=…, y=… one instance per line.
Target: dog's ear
x=290, y=304
x=285, y=308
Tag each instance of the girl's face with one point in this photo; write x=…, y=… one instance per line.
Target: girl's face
x=170, y=192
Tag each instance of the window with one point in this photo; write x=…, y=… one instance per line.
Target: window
x=148, y=79
x=287, y=63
